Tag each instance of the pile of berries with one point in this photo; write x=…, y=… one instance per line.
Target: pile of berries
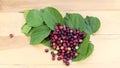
x=65, y=41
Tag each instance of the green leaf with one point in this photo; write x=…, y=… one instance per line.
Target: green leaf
x=34, y=18
x=92, y=24
x=47, y=43
x=39, y=34
x=74, y=21
x=26, y=13
x=51, y=17
x=82, y=50
x=83, y=46
x=89, y=50
x=26, y=29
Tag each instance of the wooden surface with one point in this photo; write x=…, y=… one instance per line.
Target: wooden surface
x=17, y=53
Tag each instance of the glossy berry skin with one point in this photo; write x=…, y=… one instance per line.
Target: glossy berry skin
x=65, y=41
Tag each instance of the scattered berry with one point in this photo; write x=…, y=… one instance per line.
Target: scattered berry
x=11, y=35
x=53, y=58
x=59, y=58
x=67, y=63
x=46, y=50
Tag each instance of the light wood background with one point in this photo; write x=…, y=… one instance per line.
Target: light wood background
x=17, y=53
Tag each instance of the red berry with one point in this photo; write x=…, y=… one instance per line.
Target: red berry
x=67, y=63
x=53, y=58
x=59, y=58
x=65, y=41
x=11, y=35
x=46, y=50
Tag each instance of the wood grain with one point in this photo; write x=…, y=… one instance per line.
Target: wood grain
x=109, y=22
x=63, y=5
x=105, y=53
x=18, y=53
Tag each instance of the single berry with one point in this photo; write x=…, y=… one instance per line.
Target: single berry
x=46, y=50
x=53, y=58
x=59, y=58
x=11, y=35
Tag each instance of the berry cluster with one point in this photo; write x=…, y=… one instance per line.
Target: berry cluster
x=65, y=41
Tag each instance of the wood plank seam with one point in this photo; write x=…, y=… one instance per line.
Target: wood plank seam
x=0, y=5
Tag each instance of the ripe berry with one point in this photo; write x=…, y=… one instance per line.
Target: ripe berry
x=11, y=35
x=53, y=58
x=65, y=41
x=59, y=58
x=67, y=63
x=46, y=50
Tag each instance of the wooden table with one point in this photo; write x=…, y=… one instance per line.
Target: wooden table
x=17, y=53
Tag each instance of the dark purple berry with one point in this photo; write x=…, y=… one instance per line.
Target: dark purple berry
x=53, y=54
x=59, y=58
x=65, y=41
x=67, y=63
x=46, y=50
